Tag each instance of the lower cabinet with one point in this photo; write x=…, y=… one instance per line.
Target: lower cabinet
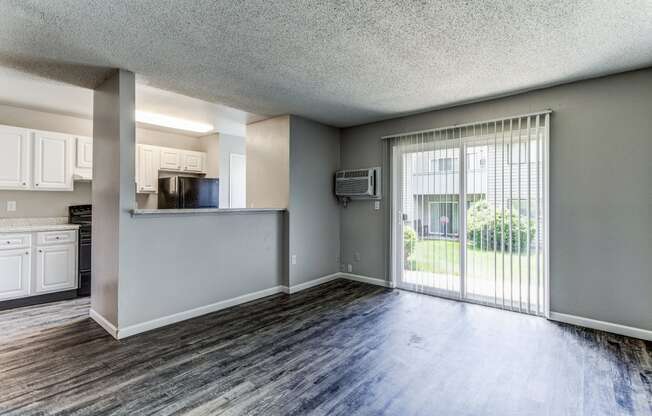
x=15, y=273
x=37, y=263
x=55, y=268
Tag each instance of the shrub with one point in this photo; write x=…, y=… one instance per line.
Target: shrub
x=486, y=227
x=409, y=242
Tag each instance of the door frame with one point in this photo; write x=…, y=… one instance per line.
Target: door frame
x=242, y=157
x=396, y=217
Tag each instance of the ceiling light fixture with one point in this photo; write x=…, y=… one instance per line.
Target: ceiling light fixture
x=172, y=122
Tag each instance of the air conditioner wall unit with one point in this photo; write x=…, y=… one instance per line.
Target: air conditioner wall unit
x=358, y=183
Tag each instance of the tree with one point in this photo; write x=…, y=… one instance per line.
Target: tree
x=488, y=228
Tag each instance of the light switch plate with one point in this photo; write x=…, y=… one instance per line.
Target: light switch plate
x=376, y=205
x=294, y=259
x=11, y=205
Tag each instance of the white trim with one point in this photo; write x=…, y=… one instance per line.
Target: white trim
x=231, y=187
x=214, y=307
x=193, y=313
x=315, y=282
x=602, y=325
x=104, y=323
x=546, y=217
x=367, y=279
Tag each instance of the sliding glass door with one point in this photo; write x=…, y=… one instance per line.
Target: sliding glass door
x=469, y=212
x=429, y=216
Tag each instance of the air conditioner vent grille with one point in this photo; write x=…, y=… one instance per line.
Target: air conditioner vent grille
x=358, y=183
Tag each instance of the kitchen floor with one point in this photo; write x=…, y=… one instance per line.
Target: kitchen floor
x=342, y=348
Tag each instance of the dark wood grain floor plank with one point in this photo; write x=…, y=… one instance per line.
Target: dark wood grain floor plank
x=342, y=348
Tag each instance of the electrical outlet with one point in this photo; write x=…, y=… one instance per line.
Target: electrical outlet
x=356, y=256
x=11, y=205
x=376, y=205
x=294, y=259
x=349, y=268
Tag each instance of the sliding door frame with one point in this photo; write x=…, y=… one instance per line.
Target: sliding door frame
x=396, y=214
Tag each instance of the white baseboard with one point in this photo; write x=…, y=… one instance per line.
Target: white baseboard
x=130, y=330
x=104, y=323
x=367, y=279
x=315, y=282
x=602, y=325
x=193, y=313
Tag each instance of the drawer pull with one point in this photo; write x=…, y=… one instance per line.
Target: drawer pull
x=8, y=242
x=56, y=238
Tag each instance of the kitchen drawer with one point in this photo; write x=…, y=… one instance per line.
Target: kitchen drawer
x=56, y=237
x=11, y=241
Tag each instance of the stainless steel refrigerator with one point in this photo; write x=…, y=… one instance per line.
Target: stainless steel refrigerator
x=188, y=192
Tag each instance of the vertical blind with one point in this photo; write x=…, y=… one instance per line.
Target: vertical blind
x=472, y=211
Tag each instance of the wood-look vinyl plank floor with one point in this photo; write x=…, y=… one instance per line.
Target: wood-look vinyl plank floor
x=342, y=348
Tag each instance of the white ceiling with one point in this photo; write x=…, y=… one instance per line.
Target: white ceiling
x=342, y=63
x=29, y=91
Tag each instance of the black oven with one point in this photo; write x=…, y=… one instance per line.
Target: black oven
x=81, y=214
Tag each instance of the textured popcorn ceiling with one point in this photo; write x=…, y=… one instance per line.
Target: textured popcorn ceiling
x=339, y=62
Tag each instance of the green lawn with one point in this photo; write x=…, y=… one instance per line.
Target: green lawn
x=441, y=256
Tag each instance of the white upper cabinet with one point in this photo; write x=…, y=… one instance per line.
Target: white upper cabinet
x=194, y=162
x=170, y=159
x=15, y=158
x=52, y=162
x=83, y=158
x=15, y=273
x=147, y=166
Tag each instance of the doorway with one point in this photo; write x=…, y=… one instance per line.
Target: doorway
x=470, y=212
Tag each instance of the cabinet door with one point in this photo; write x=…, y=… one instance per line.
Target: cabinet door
x=55, y=268
x=148, y=165
x=52, y=162
x=170, y=159
x=14, y=273
x=193, y=162
x=15, y=158
x=83, y=158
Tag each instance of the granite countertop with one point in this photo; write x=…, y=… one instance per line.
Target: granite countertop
x=25, y=225
x=195, y=211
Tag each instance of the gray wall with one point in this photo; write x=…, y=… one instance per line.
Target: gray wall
x=268, y=153
x=177, y=263
x=211, y=145
x=146, y=268
x=600, y=192
x=314, y=215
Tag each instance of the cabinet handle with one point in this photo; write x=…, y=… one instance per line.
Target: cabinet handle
x=36, y=184
x=27, y=252
x=40, y=251
x=8, y=242
x=24, y=183
x=56, y=238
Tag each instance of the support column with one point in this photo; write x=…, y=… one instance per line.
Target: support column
x=114, y=145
